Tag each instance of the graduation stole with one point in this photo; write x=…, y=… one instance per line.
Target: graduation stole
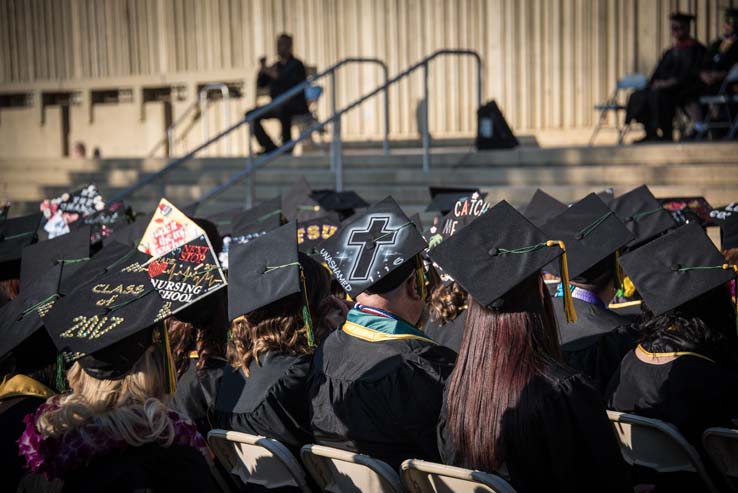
x=374, y=325
x=22, y=385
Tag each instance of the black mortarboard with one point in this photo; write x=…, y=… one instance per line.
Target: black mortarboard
x=590, y=231
x=606, y=195
x=542, y=207
x=132, y=233
x=105, y=222
x=688, y=210
x=681, y=17
x=497, y=252
x=417, y=221
x=72, y=249
x=675, y=268
x=443, y=199
x=371, y=247
x=224, y=220
x=297, y=203
x=344, y=202
x=257, y=221
x=312, y=233
x=642, y=214
x=464, y=211
x=15, y=235
x=263, y=271
x=727, y=218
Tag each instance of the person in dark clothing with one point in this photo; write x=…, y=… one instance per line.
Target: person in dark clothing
x=534, y=420
x=655, y=106
x=720, y=57
x=265, y=392
x=683, y=370
x=280, y=78
x=447, y=314
x=598, y=340
x=376, y=384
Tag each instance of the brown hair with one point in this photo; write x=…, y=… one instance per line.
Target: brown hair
x=279, y=326
x=202, y=328
x=501, y=352
x=446, y=303
x=9, y=288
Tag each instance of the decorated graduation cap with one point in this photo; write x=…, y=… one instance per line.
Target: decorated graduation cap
x=313, y=232
x=168, y=228
x=371, y=247
x=131, y=233
x=642, y=214
x=71, y=249
x=105, y=222
x=15, y=235
x=257, y=221
x=591, y=232
x=497, y=252
x=464, y=211
x=726, y=218
x=542, y=207
x=443, y=199
x=689, y=210
x=676, y=268
x=267, y=270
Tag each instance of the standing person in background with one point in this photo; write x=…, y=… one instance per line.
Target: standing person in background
x=280, y=78
x=679, y=66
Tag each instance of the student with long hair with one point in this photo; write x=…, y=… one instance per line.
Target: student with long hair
x=534, y=420
x=274, y=297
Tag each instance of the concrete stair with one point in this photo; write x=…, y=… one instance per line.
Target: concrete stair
x=706, y=169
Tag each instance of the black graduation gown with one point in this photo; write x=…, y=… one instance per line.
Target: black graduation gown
x=691, y=393
x=565, y=442
x=271, y=402
x=449, y=335
x=596, y=343
x=12, y=412
x=150, y=468
x=379, y=398
x=196, y=390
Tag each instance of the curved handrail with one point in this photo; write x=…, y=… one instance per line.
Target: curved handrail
x=265, y=158
x=249, y=118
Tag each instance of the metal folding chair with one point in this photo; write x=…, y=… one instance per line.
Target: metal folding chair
x=632, y=82
x=420, y=476
x=721, y=445
x=724, y=98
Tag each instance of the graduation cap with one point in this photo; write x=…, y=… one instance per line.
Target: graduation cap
x=106, y=221
x=72, y=249
x=607, y=195
x=443, y=199
x=297, y=203
x=688, y=210
x=312, y=233
x=676, y=268
x=497, y=252
x=265, y=270
x=257, y=221
x=371, y=247
x=590, y=231
x=15, y=235
x=131, y=233
x=345, y=203
x=465, y=210
x=224, y=220
x=682, y=17
x=642, y=214
x=542, y=207
x=727, y=218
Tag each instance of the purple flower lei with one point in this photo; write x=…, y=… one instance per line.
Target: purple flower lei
x=55, y=457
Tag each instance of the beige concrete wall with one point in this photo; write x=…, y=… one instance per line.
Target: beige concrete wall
x=546, y=61
x=23, y=135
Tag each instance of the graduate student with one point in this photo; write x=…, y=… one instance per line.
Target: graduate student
x=683, y=370
x=274, y=296
x=598, y=340
x=376, y=384
x=535, y=420
x=113, y=431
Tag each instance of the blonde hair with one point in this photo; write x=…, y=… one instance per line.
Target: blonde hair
x=129, y=409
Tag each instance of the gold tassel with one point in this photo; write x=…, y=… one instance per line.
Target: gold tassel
x=168, y=362
x=571, y=314
x=306, y=317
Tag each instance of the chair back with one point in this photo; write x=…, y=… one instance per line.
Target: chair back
x=721, y=445
x=340, y=471
x=632, y=81
x=657, y=445
x=419, y=476
x=257, y=460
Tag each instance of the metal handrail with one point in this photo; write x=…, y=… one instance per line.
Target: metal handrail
x=260, y=111
x=169, y=137
x=335, y=119
x=203, y=98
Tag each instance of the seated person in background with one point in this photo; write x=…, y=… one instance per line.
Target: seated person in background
x=598, y=340
x=447, y=315
x=721, y=55
x=534, y=419
x=655, y=106
x=684, y=369
x=376, y=385
x=198, y=338
x=280, y=78
x=272, y=290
